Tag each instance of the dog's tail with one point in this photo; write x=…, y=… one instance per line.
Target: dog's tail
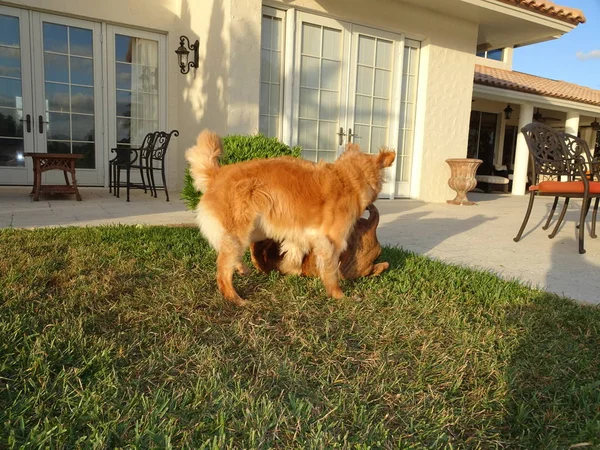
x=204, y=159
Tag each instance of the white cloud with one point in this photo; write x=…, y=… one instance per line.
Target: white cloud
x=594, y=54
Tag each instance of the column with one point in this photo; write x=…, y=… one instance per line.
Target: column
x=572, y=123
x=521, y=152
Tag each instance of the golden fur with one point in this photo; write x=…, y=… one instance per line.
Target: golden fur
x=358, y=260
x=303, y=205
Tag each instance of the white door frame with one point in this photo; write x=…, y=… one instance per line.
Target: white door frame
x=23, y=174
x=84, y=176
x=389, y=185
x=343, y=27
x=111, y=85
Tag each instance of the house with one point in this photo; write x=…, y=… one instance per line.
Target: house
x=83, y=77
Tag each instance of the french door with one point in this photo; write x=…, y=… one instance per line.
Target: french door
x=50, y=94
x=347, y=90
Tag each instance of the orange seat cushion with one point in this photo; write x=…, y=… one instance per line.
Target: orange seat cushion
x=566, y=187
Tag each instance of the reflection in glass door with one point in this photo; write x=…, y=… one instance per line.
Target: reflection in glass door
x=16, y=133
x=68, y=92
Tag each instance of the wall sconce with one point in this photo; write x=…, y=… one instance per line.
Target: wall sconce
x=182, y=54
x=595, y=125
x=507, y=112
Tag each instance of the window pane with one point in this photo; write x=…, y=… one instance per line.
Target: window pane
x=81, y=41
x=10, y=93
x=59, y=147
x=366, y=50
x=55, y=38
x=56, y=68
x=495, y=54
x=10, y=122
x=123, y=48
x=124, y=103
x=82, y=71
x=11, y=152
x=57, y=97
x=82, y=99
x=331, y=44
x=59, y=126
x=123, y=76
x=83, y=127
x=10, y=62
x=9, y=30
x=123, y=130
x=89, y=155
x=311, y=40
x=137, y=88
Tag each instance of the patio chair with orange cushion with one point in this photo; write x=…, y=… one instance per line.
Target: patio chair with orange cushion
x=559, y=169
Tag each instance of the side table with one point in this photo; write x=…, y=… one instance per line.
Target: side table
x=43, y=162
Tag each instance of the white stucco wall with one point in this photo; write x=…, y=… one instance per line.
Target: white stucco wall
x=223, y=94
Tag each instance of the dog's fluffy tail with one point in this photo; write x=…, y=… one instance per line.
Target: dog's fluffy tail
x=204, y=159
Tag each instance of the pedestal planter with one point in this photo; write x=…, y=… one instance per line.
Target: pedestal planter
x=462, y=178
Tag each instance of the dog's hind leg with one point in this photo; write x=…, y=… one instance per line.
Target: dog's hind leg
x=328, y=260
x=231, y=251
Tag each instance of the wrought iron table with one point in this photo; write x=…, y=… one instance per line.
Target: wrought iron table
x=43, y=162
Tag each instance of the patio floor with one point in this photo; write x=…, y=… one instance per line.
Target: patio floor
x=477, y=236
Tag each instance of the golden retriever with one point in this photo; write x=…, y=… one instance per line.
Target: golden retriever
x=305, y=206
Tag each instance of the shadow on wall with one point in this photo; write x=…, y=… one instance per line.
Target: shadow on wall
x=204, y=94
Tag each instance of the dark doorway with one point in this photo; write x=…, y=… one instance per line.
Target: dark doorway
x=482, y=139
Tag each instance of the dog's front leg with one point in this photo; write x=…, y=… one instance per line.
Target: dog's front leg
x=328, y=259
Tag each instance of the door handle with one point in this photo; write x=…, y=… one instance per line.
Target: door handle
x=27, y=121
x=341, y=134
x=351, y=135
x=41, y=123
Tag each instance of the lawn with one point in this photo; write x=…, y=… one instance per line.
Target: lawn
x=117, y=337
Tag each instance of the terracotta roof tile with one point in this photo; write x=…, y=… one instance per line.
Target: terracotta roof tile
x=550, y=9
x=524, y=82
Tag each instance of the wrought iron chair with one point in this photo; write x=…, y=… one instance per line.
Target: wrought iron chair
x=575, y=147
x=127, y=158
x=565, y=174
x=154, y=160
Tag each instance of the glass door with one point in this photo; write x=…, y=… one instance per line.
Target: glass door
x=349, y=89
x=373, y=107
x=16, y=109
x=321, y=97
x=68, y=93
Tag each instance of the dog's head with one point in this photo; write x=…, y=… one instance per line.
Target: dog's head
x=369, y=167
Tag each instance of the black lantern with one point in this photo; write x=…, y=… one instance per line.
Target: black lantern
x=595, y=125
x=507, y=112
x=183, y=52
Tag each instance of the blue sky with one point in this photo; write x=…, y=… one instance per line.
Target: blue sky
x=575, y=57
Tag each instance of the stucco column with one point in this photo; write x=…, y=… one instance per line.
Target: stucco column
x=521, y=152
x=572, y=123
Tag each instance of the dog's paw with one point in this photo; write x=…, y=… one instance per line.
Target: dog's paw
x=237, y=300
x=336, y=293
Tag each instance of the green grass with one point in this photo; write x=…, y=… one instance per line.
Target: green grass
x=117, y=337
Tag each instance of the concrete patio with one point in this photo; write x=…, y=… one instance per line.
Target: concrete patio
x=477, y=236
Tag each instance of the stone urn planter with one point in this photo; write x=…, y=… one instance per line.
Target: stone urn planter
x=462, y=178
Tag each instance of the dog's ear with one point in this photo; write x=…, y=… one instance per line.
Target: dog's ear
x=385, y=158
x=351, y=147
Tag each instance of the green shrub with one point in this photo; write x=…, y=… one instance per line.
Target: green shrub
x=238, y=148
